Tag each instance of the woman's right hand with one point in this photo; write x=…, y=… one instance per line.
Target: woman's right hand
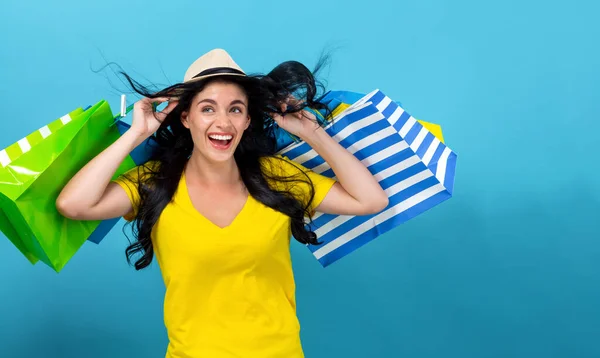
x=90, y=194
x=145, y=120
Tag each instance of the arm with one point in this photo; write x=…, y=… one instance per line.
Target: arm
x=357, y=192
x=90, y=194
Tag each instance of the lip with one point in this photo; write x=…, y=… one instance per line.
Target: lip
x=217, y=145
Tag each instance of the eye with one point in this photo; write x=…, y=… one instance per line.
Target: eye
x=207, y=109
x=236, y=110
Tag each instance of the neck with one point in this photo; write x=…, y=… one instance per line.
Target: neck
x=213, y=173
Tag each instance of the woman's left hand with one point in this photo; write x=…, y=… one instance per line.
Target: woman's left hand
x=300, y=123
x=357, y=191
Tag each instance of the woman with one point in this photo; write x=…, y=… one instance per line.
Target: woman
x=218, y=207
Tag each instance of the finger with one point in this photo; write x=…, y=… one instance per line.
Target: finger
x=161, y=115
x=276, y=117
x=293, y=100
x=169, y=107
x=295, y=103
x=148, y=104
x=160, y=99
x=148, y=101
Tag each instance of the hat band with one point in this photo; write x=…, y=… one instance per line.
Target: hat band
x=219, y=70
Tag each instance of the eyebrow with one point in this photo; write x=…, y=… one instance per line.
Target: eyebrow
x=237, y=101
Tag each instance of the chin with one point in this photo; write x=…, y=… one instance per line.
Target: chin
x=221, y=153
x=219, y=157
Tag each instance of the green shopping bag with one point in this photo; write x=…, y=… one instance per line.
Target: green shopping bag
x=34, y=171
x=10, y=155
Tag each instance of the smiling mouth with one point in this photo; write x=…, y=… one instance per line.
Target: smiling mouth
x=220, y=141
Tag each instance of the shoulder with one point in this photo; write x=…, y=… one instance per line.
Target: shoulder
x=131, y=181
x=281, y=166
x=142, y=171
x=287, y=175
x=136, y=175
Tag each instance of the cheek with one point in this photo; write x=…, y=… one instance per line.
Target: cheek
x=198, y=124
x=242, y=124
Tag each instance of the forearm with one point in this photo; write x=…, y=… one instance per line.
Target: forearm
x=350, y=172
x=86, y=188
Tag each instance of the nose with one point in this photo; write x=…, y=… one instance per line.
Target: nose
x=222, y=121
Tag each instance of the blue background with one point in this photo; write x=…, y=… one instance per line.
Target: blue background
x=509, y=267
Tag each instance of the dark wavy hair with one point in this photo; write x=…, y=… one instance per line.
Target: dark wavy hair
x=171, y=147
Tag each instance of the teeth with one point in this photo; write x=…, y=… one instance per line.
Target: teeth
x=220, y=137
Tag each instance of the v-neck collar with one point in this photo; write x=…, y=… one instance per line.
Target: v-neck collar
x=185, y=195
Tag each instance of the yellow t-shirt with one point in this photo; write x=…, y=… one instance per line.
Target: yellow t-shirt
x=230, y=291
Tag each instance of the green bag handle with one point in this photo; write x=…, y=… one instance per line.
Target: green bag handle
x=124, y=110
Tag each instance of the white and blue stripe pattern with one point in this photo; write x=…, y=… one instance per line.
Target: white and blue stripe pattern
x=414, y=168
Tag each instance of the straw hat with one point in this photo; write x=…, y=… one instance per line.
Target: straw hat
x=216, y=62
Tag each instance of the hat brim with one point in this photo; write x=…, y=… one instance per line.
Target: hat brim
x=195, y=79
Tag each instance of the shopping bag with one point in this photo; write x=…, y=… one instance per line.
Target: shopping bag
x=413, y=166
x=338, y=101
x=13, y=152
x=31, y=181
x=341, y=100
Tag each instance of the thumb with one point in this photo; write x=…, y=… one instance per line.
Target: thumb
x=278, y=118
x=284, y=107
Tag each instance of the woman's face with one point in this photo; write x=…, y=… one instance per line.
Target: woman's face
x=217, y=118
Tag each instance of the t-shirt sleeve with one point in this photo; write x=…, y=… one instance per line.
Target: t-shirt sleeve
x=129, y=181
x=297, y=175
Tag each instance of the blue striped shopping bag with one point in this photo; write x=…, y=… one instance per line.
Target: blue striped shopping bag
x=332, y=99
x=414, y=168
